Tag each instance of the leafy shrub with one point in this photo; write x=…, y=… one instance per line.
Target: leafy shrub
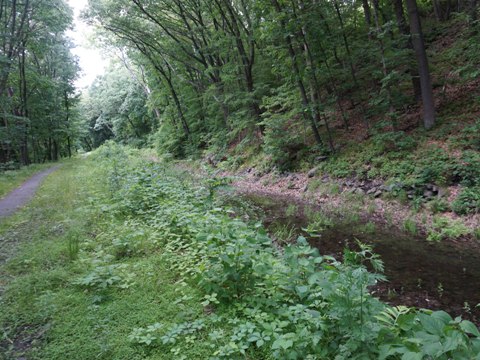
x=444, y=228
x=469, y=137
x=439, y=205
x=466, y=171
x=467, y=202
x=393, y=141
x=410, y=226
x=105, y=276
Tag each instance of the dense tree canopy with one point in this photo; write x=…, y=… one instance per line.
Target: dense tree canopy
x=289, y=78
x=285, y=74
x=36, y=85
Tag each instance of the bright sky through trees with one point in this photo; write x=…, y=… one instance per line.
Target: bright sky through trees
x=90, y=59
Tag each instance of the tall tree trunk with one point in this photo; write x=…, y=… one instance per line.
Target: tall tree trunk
x=404, y=30
x=421, y=54
x=366, y=10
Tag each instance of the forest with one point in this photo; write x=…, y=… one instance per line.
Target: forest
x=246, y=179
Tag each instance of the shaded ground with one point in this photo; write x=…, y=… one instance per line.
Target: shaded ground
x=23, y=194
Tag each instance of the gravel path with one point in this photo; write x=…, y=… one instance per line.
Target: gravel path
x=23, y=194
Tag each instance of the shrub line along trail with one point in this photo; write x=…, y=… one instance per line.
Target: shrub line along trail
x=23, y=194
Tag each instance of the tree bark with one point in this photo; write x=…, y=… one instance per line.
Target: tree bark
x=421, y=54
x=404, y=30
x=366, y=10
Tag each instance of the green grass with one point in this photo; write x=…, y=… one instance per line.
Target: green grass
x=44, y=308
x=12, y=179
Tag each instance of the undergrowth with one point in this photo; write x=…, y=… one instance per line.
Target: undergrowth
x=160, y=270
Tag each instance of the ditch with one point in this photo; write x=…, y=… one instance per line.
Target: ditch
x=423, y=274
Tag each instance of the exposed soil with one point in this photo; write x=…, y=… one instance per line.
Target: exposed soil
x=23, y=194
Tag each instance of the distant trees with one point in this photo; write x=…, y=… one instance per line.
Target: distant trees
x=36, y=81
x=115, y=106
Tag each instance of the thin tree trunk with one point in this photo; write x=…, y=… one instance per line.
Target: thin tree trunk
x=366, y=10
x=350, y=60
x=421, y=54
x=376, y=10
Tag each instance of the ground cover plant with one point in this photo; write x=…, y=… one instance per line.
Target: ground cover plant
x=139, y=262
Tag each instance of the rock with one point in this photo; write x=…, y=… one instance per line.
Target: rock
x=321, y=158
x=429, y=186
x=312, y=172
x=428, y=194
x=325, y=179
x=359, y=191
x=410, y=196
x=305, y=189
x=441, y=193
x=371, y=191
x=378, y=193
x=435, y=189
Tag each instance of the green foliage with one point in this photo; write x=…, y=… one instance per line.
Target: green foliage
x=468, y=201
x=284, y=233
x=393, y=141
x=115, y=106
x=318, y=222
x=37, y=94
x=291, y=210
x=443, y=227
x=439, y=205
x=411, y=226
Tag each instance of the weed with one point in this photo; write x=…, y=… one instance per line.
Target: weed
x=319, y=221
x=468, y=201
x=73, y=244
x=410, y=226
x=284, y=233
x=314, y=184
x=476, y=232
x=369, y=228
x=372, y=207
x=291, y=210
x=334, y=189
x=438, y=206
x=443, y=228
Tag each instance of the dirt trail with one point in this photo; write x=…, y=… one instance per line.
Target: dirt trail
x=23, y=194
